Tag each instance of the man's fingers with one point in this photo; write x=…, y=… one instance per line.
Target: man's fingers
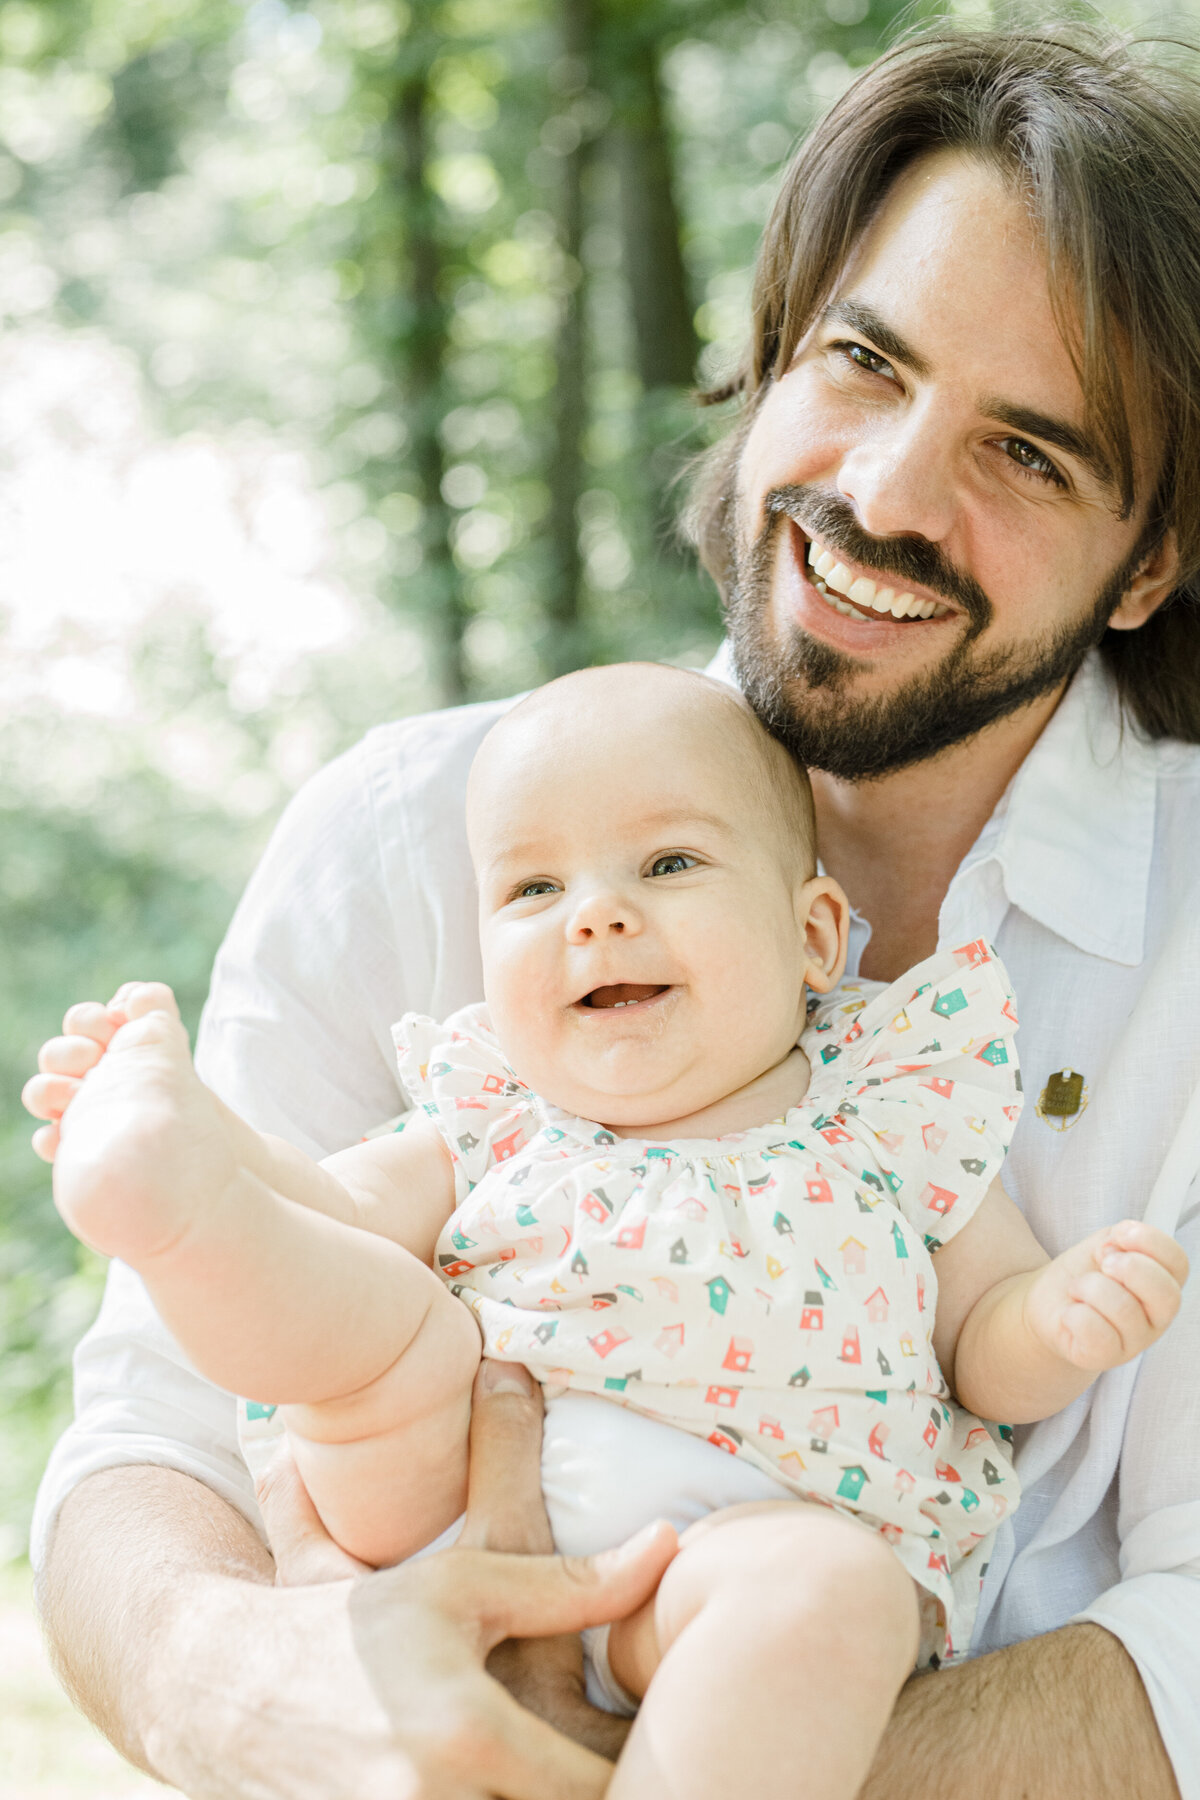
x=303, y=1550
x=545, y=1676
x=543, y=1596
x=505, y=1509
x=528, y=1759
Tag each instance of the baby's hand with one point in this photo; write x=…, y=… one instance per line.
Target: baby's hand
x=1107, y=1299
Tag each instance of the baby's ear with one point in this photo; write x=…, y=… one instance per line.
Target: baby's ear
x=823, y=913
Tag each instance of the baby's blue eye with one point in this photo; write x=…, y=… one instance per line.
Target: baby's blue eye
x=532, y=889
x=672, y=864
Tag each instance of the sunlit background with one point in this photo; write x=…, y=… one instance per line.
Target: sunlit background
x=346, y=371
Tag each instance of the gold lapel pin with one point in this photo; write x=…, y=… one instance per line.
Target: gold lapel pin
x=1063, y=1100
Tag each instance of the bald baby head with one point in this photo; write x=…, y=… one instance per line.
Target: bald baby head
x=650, y=731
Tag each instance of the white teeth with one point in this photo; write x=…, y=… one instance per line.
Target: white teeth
x=832, y=578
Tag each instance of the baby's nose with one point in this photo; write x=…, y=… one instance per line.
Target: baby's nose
x=602, y=915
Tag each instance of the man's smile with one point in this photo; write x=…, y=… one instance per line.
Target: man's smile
x=832, y=587
x=833, y=576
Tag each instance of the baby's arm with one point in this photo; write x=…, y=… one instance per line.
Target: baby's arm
x=1019, y=1335
x=256, y=1260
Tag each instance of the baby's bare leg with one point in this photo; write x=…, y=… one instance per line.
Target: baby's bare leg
x=371, y=1356
x=770, y=1660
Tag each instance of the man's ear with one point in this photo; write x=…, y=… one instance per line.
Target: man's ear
x=1155, y=580
x=824, y=913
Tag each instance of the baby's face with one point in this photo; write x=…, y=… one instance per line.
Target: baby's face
x=643, y=936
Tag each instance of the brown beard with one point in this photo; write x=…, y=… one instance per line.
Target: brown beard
x=801, y=688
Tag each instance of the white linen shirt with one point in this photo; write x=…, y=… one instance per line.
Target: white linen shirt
x=1087, y=878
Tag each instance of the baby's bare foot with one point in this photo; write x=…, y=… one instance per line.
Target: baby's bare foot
x=139, y=1144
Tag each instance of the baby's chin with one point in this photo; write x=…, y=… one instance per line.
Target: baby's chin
x=655, y=1114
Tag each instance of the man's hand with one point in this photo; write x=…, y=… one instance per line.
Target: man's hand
x=505, y=1512
x=365, y=1687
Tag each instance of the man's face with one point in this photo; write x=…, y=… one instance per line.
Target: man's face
x=926, y=449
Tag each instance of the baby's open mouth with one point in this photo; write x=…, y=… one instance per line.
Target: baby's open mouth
x=623, y=993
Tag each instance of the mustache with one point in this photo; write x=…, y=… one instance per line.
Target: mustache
x=910, y=559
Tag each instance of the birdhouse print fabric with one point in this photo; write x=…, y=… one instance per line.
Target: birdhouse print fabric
x=772, y=1291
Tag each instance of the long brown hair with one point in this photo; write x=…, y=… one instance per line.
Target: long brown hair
x=1105, y=142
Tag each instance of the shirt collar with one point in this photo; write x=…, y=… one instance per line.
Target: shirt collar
x=1074, y=833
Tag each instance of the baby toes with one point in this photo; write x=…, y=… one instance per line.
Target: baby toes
x=45, y=1142
x=69, y=1055
x=87, y=1018
x=137, y=998
x=48, y=1096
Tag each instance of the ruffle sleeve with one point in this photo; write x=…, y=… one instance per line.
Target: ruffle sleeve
x=918, y=1086
x=458, y=1075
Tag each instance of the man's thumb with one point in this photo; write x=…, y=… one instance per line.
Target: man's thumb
x=543, y=1596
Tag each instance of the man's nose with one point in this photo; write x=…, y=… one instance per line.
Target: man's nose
x=900, y=476
x=603, y=912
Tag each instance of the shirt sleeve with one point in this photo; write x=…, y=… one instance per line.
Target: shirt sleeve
x=296, y=1035
x=919, y=1085
x=459, y=1075
x=1154, y=1608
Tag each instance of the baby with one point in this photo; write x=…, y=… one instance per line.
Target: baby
x=651, y=1181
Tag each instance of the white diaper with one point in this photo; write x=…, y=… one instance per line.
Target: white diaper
x=607, y=1472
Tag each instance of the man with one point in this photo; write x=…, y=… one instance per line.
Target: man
x=969, y=452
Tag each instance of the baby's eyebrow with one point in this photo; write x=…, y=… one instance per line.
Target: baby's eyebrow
x=532, y=853
x=677, y=817
x=507, y=854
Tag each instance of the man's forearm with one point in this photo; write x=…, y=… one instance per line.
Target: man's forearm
x=126, y=1542
x=1060, y=1715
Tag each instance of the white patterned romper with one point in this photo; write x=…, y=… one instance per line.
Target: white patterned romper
x=772, y=1291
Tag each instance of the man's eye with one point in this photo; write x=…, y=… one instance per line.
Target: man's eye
x=672, y=864
x=870, y=360
x=1029, y=458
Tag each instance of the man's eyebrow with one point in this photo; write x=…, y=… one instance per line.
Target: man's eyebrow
x=1058, y=432
x=866, y=321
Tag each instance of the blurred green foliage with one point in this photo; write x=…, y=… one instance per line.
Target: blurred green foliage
x=464, y=261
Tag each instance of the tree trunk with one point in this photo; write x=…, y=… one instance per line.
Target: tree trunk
x=420, y=352
x=664, y=329
x=566, y=637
